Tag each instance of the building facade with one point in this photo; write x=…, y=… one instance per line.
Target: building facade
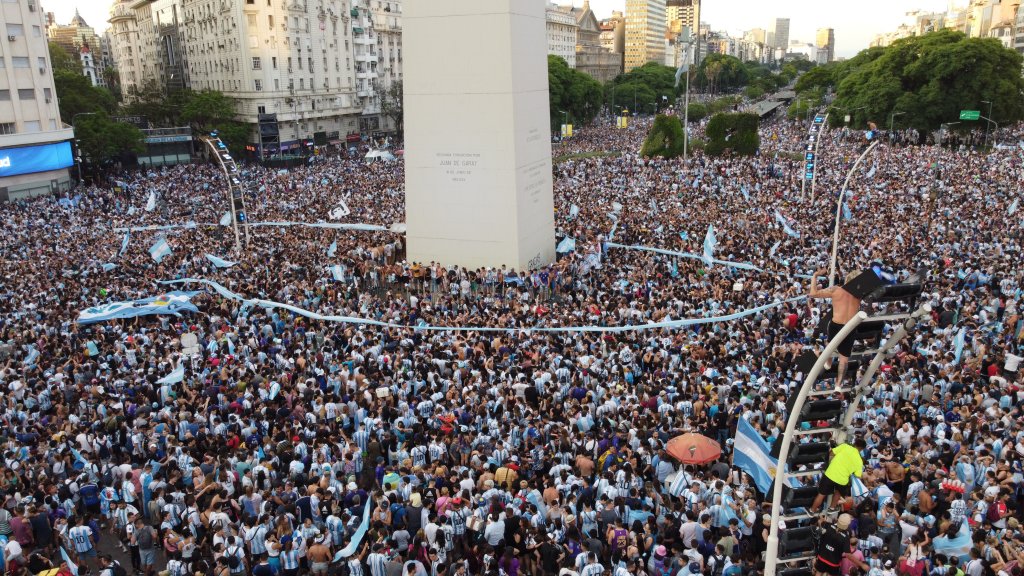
x=562, y=30
x=1018, y=39
x=645, y=32
x=591, y=57
x=826, y=42
x=35, y=147
x=613, y=33
x=81, y=42
x=782, y=33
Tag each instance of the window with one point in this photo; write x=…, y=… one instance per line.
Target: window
x=270, y=20
x=310, y=62
x=302, y=83
x=3, y=63
x=47, y=94
x=41, y=61
x=26, y=94
x=36, y=32
x=261, y=109
x=20, y=61
x=250, y=1
x=273, y=62
x=8, y=128
x=256, y=64
x=15, y=30
x=5, y=95
x=32, y=126
x=277, y=85
x=53, y=124
x=259, y=85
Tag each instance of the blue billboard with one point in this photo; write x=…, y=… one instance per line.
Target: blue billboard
x=30, y=159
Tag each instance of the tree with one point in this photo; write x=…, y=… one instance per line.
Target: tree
x=207, y=110
x=697, y=112
x=817, y=77
x=100, y=138
x=722, y=72
x=571, y=93
x=642, y=87
x=61, y=60
x=158, y=107
x=733, y=132
x=235, y=135
x=665, y=138
x=930, y=78
x=391, y=105
x=76, y=95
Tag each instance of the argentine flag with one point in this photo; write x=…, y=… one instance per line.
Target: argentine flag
x=225, y=219
x=220, y=262
x=151, y=201
x=566, y=245
x=332, y=249
x=1013, y=207
x=785, y=225
x=177, y=375
x=710, y=241
x=160, y=249
x=337, y=272
x=124, y=243
x=959, y=342
x=752, y=455
x=959, y=545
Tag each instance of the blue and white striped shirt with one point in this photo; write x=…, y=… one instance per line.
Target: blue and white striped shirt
x=290, y=559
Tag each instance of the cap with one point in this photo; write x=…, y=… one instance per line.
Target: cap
x=844, y=521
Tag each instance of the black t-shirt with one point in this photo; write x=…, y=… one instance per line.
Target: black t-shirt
x=833, y=545
x=549, y=557
x=262, y=570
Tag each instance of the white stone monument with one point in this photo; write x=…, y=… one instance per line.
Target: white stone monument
x=477, y=136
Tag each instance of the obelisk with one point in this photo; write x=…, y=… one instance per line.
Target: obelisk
x=477, y=133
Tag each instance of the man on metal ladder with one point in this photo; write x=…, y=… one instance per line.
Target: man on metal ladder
x=846, y=461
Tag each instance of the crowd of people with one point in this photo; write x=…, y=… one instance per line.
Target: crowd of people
x=515, y=451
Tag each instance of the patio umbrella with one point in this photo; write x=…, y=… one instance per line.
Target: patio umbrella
x=694, y=449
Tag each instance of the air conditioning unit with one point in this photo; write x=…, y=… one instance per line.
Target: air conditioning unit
x=49, y=100
x=11, y=37
x=42, y=70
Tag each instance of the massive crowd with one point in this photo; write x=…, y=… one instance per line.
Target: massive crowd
x=518, y=451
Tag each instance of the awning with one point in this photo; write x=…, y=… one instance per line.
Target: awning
x=334, y=142
x=352, y=138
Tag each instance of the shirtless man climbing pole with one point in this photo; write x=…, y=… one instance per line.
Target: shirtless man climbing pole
x=844, y=307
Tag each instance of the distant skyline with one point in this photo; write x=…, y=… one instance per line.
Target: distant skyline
x=855, y=24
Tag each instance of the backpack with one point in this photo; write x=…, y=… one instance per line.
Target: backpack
x=719, y=565
x=145, y=538
x=995, y=511
x=117, y=570
x=231, y=555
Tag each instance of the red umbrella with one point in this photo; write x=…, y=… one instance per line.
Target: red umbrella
x=694, y=449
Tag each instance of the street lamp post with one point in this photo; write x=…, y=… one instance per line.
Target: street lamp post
x=989, y=121
x=73, y=118
x=839, y=213
x=892, y=117
x=686, y=98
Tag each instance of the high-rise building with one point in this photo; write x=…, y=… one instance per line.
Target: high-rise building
x=645, y=32
x=826, y=41
x=562, y=30
x=682, y=14
x=613, y=33
x=1018, y=39
x=82, y=43
x=782, y=33
x=35, y=148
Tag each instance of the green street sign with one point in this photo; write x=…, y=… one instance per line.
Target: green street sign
x=970, y=114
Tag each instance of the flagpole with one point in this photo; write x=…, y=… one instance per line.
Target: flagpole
x=814, y=174
x=839, y=213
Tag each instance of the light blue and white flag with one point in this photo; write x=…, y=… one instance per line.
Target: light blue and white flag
x=124, y=243
x=785, y=225
x=225, y=219
x=959, y=342
x=959, y=545
x=67, y=559
x=332, y=249
x=220, y=262
x=746, y=194
x=684, y=236
x=357, y=536
x=151, y=201
x=566, y=245
x=858, y=490
x=172, y=303
x=108, y=266
x=574, y=211
x=159, y=249
x=774, y=248
x=752, y=455
x=847, y=215
x=710, y=242
x=337, y=272
x=871, y=173
x=176, y=375
x=1013, y=207
x=659, y=229
x=33, y=356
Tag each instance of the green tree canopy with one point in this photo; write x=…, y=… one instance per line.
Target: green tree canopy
x=665, y=138
x=645, y=88
x=734, y=132
x=722, y=73
x=930, y=79
x=100, y=138
x=76, y=95
x=207, y=110
x=572, y=93
x=159, y=107
x=391, y=104
x=61, y=60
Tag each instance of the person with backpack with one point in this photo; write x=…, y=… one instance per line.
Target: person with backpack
x=111, y=567
x=145, y=538
x=234, y=555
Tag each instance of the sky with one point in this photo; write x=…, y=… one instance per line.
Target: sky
x=855, y=23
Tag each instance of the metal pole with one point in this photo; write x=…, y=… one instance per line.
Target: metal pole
x=686, y=116
x=772, y=553
x=814, y=175
x=988, y=124
x=73, y=127
x=839, y=214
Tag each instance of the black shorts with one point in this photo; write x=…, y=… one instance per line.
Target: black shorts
x=846, y=346
x=826, y=486
x=826, y=568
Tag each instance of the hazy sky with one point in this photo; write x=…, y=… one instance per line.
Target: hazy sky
x=855, y=23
